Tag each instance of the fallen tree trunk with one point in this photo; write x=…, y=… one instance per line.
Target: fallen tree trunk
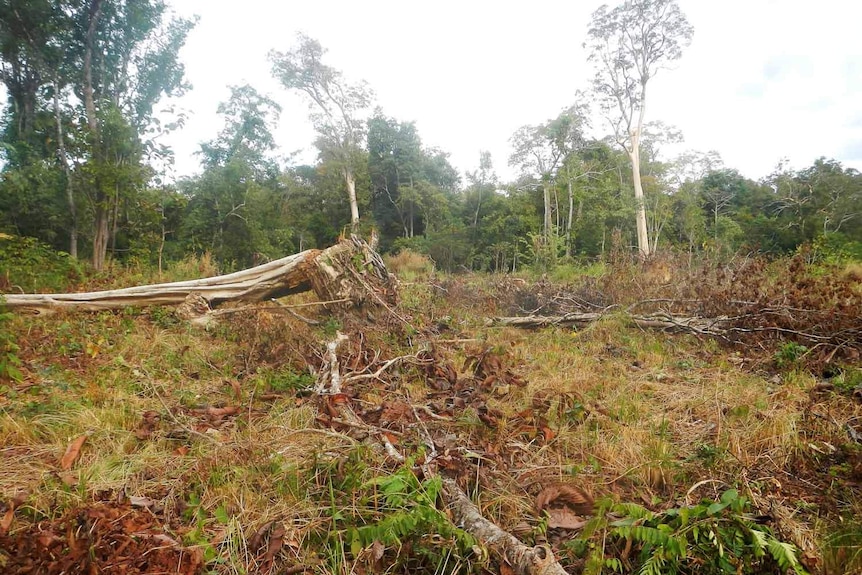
x=343, y=273
x=706, y=326
x=523, y=559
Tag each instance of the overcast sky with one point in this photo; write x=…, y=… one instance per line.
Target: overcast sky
x=763, y=79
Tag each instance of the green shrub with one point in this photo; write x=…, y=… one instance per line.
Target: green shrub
x=9, y=360
x=711, y=538
x=27, y=265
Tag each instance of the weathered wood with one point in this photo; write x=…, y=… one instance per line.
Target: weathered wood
x=706, y=326
x=523, y=559
x=344, y=271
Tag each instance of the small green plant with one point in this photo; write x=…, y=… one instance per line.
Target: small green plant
x=410, y=508
x=163, y=317
x=9, y=360
x=331, y=326
x=712, y=538
x=396, y=510
x=789, y=353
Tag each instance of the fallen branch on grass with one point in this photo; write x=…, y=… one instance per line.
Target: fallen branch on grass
x=331, y=274
x=721, y=327
x=523, y=559
x=707, y=326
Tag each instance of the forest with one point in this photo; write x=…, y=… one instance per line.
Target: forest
x=615, y=362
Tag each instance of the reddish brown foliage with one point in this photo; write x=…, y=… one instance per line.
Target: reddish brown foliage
x=103, y=538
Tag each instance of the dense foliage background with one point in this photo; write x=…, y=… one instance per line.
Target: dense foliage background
x=83, y=169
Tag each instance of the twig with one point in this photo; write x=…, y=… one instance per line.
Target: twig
x=174, y=417
x=376, y=375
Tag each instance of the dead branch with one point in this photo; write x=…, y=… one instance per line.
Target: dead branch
x=524, y=560
x=723, y=327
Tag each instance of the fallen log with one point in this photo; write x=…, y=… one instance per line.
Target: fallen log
x=523, y=559
x=705, y=326
x=344, y=273
x=722, y=327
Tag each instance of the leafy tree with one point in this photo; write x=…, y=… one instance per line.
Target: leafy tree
x=338, y=107
x=539, y=150
x=628, y=45
x=108, y=63
x=235, y=205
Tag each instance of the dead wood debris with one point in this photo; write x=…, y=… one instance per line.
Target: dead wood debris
x=330, y=273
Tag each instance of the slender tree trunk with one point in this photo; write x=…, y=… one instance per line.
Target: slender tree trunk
x=100, y=232
x=640, y=207
x=350, y=180
x=100, y=237
x=546, y=187
x=64, y=162
x=569, y=221
x=115, y=217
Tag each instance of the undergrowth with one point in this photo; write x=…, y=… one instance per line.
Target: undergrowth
x=711, y=538
x=218, y=433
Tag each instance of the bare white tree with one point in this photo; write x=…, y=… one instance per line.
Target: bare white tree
x=339, y=108
x=628, y=45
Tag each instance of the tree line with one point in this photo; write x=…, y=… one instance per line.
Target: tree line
x=83, y=168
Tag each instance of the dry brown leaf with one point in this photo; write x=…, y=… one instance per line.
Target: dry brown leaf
x=564, y=518
x=72, y=452
x=68, y=478
x=565, y=495
x=222, y=411
x=505, y=569
x=144, y=502
x=237, y=389
x=149, y=422
x=6, y=522
x=377, y=551
x=182, y=450
x=276, y=540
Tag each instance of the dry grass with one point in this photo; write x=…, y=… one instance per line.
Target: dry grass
x=409, y=265
x=639, y=416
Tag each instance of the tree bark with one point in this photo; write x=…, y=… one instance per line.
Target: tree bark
x=522, y=559
x=332, y=274
x=569, y=220
x=640, y=206
x=64, y=162
x=100, y=231
x=350, y=180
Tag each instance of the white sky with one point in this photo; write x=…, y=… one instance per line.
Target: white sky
x=763, y=79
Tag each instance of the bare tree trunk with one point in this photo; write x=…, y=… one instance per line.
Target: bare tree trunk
x=100, y=235
x=548, y=222
x=569, y=221
x=64, y=162
x=640, y=207
x=115, y=224
x=350, y=180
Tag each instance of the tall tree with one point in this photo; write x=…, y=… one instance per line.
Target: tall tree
x=628, y=45
x=235, y=205
x=118, y=59
x=539, y=151
x=339, y=107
